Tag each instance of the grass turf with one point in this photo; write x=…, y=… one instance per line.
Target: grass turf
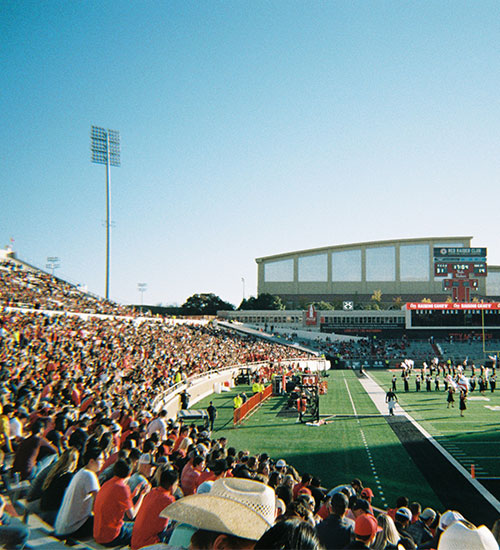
x=472, y=439
x=351, y=446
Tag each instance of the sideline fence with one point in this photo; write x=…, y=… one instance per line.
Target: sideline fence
x=241, y=412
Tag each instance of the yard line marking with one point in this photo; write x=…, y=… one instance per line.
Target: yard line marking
x=377, y=394
x=368, y=452
x=350, y=397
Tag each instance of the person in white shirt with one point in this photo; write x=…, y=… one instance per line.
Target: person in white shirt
x=159, y=425
x=75, y=515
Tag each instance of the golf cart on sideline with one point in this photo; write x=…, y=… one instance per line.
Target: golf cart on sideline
x=193, y=416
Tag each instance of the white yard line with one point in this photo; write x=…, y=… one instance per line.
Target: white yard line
x=377, y=395
x=380, y=490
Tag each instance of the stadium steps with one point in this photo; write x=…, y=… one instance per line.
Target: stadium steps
x=42, y=538
x=41, y=533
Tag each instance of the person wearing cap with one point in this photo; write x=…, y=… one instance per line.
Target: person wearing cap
x=149, y=527
x=365, y=530
x=420, y=530
x=234, y=515
x=336, y=531
x=360, y=506
x=367, y=494
x=281, y=465
x=145, y=470
x=402, y=521
x=400, y=502
x=446, y=520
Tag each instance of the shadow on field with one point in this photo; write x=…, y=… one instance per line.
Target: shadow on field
x=453, y=489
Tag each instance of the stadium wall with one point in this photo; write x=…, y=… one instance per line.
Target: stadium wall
x=398, y=268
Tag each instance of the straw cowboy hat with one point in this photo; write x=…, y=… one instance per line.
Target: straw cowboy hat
x=461, y=535
x=241, y=507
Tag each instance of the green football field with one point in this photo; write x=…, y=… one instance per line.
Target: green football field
x=473, y=439
x=360, y=443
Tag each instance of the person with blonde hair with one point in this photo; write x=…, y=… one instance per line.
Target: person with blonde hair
x=55, y=484
x=388, y=537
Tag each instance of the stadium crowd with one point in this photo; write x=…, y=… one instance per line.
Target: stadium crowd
x=126, y=480
x=77, y=427
x=21, y=286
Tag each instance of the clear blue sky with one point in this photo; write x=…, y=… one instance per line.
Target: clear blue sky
x=248, y=128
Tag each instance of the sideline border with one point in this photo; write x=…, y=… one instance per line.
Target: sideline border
x=377, y=395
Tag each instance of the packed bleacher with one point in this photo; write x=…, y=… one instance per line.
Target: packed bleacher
x=23, y=286
x=84, y=451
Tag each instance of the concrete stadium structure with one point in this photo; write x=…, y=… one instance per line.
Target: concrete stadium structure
x=398, y=268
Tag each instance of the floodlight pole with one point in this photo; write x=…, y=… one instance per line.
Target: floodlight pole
x=108, y=211
x=105, y=147
x=142, y=287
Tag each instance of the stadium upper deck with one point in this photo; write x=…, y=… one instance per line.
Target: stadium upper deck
x=398, y=268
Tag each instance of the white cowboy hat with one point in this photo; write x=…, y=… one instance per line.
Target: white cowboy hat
x=241, y=507
x=459, y=535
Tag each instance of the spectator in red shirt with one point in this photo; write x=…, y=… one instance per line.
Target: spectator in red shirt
x=149, y=527
x=303, y=486
x=190, y=474
x=112, y=502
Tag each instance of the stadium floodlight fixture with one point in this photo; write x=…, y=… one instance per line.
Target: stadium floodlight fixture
x=105, y=148
x=142, y=287
x=52, y=263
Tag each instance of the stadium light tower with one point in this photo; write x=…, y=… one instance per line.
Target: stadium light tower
x=53, y=263
x=105, y=147
x=142, y=287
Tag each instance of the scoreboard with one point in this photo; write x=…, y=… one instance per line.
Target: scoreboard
x=478, y=269
x=461, y=262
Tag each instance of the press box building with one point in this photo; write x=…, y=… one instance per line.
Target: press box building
x=353, y=272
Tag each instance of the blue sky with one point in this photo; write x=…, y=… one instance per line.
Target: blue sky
x=248, y=128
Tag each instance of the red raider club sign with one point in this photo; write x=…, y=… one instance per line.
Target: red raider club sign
x=311, y=316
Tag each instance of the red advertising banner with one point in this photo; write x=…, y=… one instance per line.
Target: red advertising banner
x=417, y=306
x=250, y=404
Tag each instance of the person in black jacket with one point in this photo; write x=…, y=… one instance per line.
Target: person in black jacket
x=336, y=531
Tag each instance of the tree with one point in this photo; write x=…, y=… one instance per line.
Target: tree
x=204, y=304
x=398, y=302
x=262, y=302
x=376, y=299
